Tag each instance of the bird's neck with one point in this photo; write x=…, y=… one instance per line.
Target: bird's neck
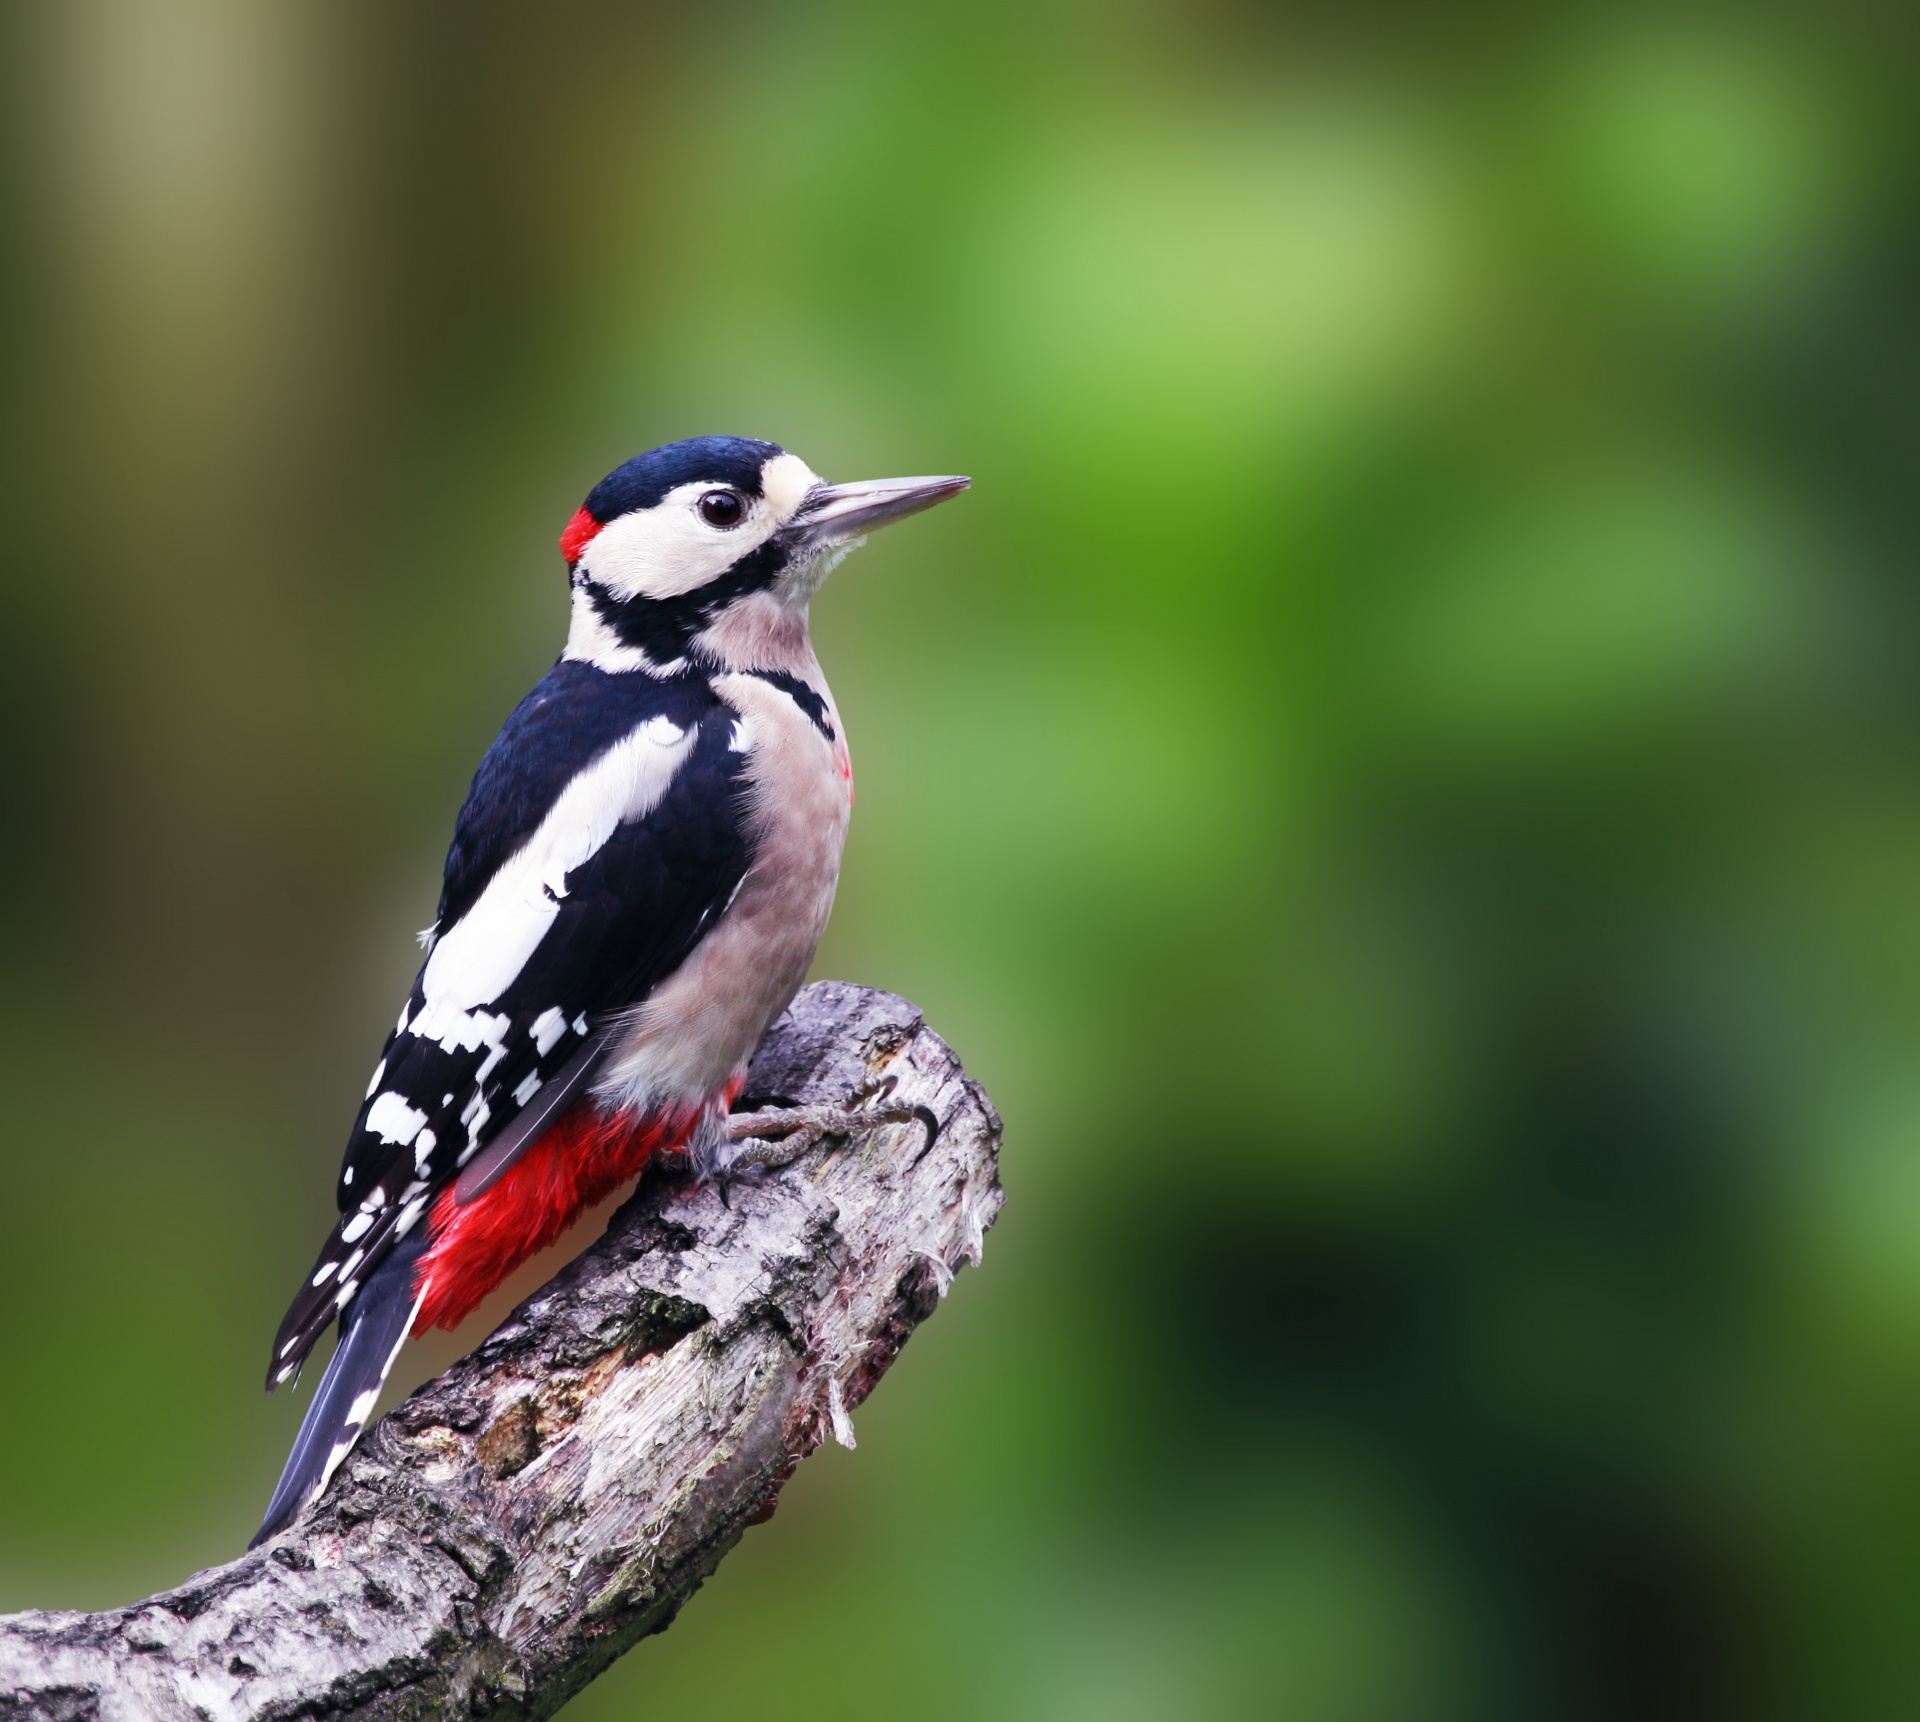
x=762, y=631
x=593, y=639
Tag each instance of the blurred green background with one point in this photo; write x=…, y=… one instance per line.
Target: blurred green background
x=1403, y=778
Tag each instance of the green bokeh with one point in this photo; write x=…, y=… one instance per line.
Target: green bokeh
x=1403, y=778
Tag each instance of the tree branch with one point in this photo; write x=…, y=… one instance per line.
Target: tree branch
x=558, y=1494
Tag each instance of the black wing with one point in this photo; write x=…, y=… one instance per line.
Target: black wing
x=604, y=832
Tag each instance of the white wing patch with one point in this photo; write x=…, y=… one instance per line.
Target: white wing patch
x=477, y=959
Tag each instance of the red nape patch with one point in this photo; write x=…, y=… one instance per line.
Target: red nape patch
x=580, y=1161
x=578, y=535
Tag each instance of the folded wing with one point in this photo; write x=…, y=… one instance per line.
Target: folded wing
x=588, y=860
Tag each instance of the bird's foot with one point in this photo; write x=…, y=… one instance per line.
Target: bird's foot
x=777, y=1136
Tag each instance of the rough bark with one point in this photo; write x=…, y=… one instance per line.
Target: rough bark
x=515, y=1525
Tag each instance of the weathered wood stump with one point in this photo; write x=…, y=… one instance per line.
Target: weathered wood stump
x=515, y=1525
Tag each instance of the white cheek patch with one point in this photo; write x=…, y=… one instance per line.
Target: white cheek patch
x=667, y=550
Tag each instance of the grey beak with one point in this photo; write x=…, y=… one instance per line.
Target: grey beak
x=833, y=513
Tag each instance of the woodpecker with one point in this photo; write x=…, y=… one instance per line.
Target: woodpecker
x=637, y=883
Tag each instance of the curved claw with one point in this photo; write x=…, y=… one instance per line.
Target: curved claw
x=925, y=1115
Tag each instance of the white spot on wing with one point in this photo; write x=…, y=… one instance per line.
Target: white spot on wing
x=528, y=1089
x=354, y=1229
x=580, y=1024
x=547, y=1029
x=327, y=1271
x=379, y=1075
x=494, y=1057
x=393, y=1120
x=465, y=1031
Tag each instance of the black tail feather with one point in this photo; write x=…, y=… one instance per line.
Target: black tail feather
x=371, y=1333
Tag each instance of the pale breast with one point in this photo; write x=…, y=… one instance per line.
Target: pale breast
x=702, y=1023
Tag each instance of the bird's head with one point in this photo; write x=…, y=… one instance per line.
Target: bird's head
x=713, y=544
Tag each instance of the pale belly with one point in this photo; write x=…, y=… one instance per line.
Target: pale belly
x=698, y=1028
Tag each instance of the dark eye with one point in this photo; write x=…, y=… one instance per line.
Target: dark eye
x=722, y=508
